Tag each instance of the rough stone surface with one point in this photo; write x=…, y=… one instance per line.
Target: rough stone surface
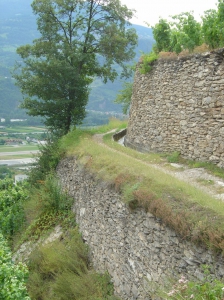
x=137, y=250
x=25, y=250
x=179, y=106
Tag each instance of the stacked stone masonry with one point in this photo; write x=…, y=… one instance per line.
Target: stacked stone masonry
x=137, y=250
x=179, y=106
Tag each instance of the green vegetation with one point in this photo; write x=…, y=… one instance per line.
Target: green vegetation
x=18, y=27
x=12, y=198
x=192, y=213
x=60, y=270
x=56, y=71
x=146, y=62
x=12, y=217
x=5, y=172
x=48, y=159
x=12, y=277
x=175, y=157
x=124, y=96
x=207, y=289
x=185, y=33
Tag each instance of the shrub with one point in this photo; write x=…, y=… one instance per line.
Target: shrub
x=5, y=172
x=47, y=161
x=11, y=207
x=60, y=270
x=207, y=289
x=52, y=196
x=12, y=277
x=146, y=62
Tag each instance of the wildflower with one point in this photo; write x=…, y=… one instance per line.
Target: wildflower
x=182, y=280
x=171, y=293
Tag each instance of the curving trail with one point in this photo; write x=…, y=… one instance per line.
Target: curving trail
x=197, y=177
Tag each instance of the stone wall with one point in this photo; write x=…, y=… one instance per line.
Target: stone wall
x=179, y=106
x=137, y=250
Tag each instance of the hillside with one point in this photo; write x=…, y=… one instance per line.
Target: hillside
x=138, y=213
x=18, y=27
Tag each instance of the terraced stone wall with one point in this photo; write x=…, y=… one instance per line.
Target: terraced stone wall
x=179, y=106
x=137, y=249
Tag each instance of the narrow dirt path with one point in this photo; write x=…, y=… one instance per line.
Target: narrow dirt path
x=197, y=177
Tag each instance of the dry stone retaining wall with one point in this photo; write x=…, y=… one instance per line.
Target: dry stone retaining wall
x=137, y=250
x=179, y=106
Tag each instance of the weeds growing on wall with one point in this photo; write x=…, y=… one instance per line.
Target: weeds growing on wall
x=146, y=62
x=48, y=206
x=206, y=289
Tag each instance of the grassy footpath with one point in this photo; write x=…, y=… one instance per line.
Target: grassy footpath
x=192, y=213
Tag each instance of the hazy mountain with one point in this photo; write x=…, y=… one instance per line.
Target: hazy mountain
x=18, y=27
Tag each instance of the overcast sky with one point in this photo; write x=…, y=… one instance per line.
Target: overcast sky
x=150, y=11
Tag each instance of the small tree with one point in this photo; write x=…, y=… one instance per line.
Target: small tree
x=186, y=31
x=210, y=28
x=181, y=34
x=79, y=39
x=162, y=35
x=124, y=96
x=221, y=22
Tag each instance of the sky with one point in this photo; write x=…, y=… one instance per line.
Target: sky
x=150, y=11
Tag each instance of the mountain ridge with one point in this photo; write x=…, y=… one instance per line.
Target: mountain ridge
x=18, y=27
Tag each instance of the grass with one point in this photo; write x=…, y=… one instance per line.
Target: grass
x=59, y=269
x=191, y=212
x=206, y=181
x=175, y=157
x=145, y=157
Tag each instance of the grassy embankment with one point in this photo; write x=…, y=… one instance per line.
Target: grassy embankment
x=62, y=268
x=193, y=214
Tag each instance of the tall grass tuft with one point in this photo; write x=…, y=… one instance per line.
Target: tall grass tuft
x=61, y=270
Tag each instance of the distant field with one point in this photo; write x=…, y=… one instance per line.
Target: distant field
x=20, y=156
x=7, y=148
x=11, y=152
x=22, y=129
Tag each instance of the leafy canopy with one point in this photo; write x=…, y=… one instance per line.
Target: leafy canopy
x=185, y=33
x=78, y=40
